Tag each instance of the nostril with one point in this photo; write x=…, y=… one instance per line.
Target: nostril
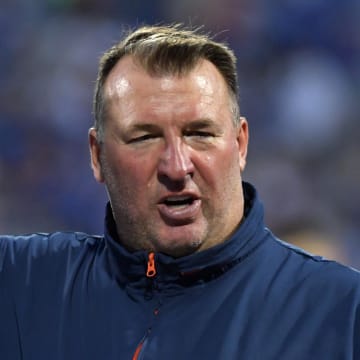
x=174, y=185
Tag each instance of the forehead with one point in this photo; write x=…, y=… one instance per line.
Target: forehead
x=128, y=78
x=135, y=97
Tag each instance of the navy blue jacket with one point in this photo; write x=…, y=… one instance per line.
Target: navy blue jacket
x=74, y=296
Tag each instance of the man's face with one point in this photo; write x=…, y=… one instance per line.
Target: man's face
x=171, y=158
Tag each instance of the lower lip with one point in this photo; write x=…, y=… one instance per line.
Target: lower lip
x=180, y=213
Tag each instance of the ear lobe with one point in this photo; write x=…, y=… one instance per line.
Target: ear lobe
x=95, y=149
x=243, y=141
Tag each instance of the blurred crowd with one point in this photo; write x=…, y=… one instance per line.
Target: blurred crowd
x=299, y=75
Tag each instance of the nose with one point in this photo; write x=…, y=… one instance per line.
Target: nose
x=175, y=161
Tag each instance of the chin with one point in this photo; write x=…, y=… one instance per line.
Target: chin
x=179, y=248
x=180, y=241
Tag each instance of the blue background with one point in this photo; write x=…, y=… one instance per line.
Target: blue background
x=299, y=75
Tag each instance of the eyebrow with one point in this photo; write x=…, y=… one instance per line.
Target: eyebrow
x=203, y=123
x=191, y=125
x=144, y=127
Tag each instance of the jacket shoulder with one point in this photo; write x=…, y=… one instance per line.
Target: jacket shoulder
x=17, y=249
x=317, y=269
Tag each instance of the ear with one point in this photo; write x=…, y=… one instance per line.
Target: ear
x=243, y=141
x=95, y=149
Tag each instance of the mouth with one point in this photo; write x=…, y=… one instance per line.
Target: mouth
x=176, y=201
x=179, y=209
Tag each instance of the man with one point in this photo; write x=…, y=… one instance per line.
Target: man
x=186, y=268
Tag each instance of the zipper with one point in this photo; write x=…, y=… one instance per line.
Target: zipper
x=151, y=269
x=139, y=348
x=150, y=273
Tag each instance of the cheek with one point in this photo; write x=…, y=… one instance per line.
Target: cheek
x=221, y=164
x=131, y=175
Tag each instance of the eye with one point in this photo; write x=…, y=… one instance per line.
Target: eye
x=142, y=138
x=200, y=134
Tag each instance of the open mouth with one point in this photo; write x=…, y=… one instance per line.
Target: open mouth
x=179, y=209
x=179, y=201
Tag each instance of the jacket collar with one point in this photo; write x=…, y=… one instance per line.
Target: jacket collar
x=129, y=268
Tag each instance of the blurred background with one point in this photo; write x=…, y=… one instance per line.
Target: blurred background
x=299, y=74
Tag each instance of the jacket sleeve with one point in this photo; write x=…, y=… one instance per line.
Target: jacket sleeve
x=10, y=346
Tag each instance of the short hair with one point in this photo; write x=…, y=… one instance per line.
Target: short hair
x=167, y=50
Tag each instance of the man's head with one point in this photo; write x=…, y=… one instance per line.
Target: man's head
x=168, y=140
x=164, y=50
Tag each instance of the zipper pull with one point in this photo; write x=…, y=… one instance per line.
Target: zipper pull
x=151, y=270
